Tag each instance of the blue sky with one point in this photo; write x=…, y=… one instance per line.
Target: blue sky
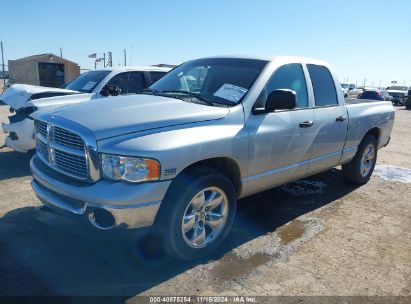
x=362, y=39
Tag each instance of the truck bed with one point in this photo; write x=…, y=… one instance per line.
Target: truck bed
x=363, y=114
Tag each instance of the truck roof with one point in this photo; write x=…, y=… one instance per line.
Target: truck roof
x=135, y=68
x=275, y=58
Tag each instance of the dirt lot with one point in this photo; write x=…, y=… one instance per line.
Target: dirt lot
x=318, y=236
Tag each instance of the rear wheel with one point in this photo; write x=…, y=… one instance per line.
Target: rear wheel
x=197, y=214
x=360, y=168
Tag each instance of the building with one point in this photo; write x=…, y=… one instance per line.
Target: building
x=46, y=70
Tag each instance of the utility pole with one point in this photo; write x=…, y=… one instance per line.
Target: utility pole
x=104, y=60
x=2, y=63
x=110, y=59
x=125, y=58
x=61, y=53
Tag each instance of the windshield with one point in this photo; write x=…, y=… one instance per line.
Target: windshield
x=398, y=88
x=87, y=81
x=218, y=80
x=344, y=85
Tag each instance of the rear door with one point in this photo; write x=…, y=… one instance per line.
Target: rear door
x=330, y=120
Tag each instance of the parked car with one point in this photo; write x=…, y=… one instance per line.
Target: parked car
x=344, y=89
x=174, y=160
x=408, y=100
x=353, y=91
x=372, y=95
x=386, y=96
x=27, y=101
x=398, y=93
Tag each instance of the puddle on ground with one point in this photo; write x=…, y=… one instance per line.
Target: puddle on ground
x=232, y=266
x=265, y=250
x=290, y=232
x=393, y=173
x=304, y=187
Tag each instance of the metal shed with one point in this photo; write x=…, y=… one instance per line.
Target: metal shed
x=45, y=70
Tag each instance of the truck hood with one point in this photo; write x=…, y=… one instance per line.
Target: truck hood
x=59, y=101
x=17, y=95
x=117, y=116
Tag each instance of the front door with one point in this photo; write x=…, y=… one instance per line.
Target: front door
x=280, y=142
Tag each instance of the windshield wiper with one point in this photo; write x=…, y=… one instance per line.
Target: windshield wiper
x=191, y=94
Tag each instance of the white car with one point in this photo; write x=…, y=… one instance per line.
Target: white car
x=398, y=94
x=344, y=89
x=28, y=101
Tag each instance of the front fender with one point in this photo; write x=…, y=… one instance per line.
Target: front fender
x=176, y=149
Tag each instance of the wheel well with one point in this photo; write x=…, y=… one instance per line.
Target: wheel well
x=374, y=132
x=225, y=165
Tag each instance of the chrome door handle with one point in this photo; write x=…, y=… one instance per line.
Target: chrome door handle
x=306, y=124
x=341, y=118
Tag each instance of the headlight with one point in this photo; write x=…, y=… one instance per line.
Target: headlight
x=131, y=169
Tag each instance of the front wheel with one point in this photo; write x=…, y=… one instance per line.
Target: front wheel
x=197, y=214
x=360, y=168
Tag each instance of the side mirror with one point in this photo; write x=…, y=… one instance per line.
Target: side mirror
x=110, y=90
x=281, y=100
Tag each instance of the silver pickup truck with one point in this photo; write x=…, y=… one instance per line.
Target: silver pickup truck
x=175, y=159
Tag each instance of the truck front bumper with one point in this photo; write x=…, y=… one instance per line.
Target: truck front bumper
x=103, y=205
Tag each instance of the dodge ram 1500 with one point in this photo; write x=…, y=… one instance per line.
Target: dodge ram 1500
x=176, y=158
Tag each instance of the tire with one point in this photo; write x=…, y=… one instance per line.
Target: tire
x=185, y=198
x=359, y=169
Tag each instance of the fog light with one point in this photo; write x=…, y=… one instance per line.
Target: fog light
x=13, y=136
x=101, y=218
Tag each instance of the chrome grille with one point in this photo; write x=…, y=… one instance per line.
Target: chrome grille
x=61, y=149
x=67, y=138
x=41, y=127
x=75, y=165
x=42, y=150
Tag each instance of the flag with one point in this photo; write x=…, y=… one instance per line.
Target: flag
x=98, y=60
x=92, y=55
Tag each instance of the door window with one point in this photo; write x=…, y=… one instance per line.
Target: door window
x=291, y=77
x=120, y=80
x=323, y=85
x=156, y=75
x=135, y=82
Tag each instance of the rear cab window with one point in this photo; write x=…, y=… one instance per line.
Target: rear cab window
x=325, y=94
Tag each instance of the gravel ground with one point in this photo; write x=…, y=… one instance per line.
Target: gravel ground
x=318, y=236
